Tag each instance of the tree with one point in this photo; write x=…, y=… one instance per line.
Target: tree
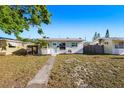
x=3, y=45
x=98, y=35
x=107, y=34
x=42, y=43
x=16, y=19
x=95, y=36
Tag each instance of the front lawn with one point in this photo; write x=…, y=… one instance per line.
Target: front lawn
x=87, y=71
x=16, y=71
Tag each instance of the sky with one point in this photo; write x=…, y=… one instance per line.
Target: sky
x=80, y=21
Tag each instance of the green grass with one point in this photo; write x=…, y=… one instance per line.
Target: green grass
x=16, y=71
x=88, y=71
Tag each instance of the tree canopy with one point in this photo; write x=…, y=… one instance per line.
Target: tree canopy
x=16, y=19
x=96, y=35
x=107, y=34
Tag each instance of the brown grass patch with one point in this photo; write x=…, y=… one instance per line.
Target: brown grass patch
x=89, y=71
x=16, y=71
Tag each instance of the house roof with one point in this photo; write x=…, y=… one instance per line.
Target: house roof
x=117, y=38
x=50, y=39
x=112, y=38
x=64, y=39
x=10, y=40
x=7, y=38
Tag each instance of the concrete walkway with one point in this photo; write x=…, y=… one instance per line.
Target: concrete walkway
x=41, y=78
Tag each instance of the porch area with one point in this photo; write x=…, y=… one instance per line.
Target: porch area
x=33, y=50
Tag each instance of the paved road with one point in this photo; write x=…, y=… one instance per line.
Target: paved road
x=41, y=78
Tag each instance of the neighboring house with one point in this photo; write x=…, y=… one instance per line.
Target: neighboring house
x=55, y=46
x=112, y=45
x=63, y=46
x=13, y=46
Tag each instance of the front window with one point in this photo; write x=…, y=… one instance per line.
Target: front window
x=11, y=45
x=74, y=45
x=62, y=46
x=106, y=43
x=54, y=44
x=119, y=45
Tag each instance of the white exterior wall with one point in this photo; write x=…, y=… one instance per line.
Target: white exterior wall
x=51, y=49
x=46, y=51
x=118, y=51
x=108, y=47
x=78, y=49
x=115, y=50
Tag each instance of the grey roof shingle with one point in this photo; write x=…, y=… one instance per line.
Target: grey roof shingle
x=64, y=39
x=6, y=38
x=113, y=38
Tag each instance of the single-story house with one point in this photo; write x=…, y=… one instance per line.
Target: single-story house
x=63, y=46
x=112, y=45
x=55, y=46
x=10, y=46
x=13, y=46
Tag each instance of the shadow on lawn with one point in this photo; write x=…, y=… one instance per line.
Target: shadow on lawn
x=23, y=52
x=118, y=57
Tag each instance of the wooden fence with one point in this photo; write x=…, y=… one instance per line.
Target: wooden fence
x=93, y=49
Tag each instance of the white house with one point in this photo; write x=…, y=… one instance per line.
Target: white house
x=63, y=46
x=112, y=45
x=55, y=46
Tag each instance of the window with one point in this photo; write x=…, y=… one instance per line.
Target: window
x=106, y=43
x=62, y=46
x=119, y=45
x=54, y=44
x=74, y=45
x=11, y=46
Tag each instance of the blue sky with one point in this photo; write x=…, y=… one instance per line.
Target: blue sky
x=81, y=21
